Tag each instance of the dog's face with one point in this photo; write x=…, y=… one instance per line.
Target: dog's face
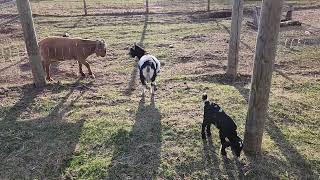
x=136, y=51
x=237, y=147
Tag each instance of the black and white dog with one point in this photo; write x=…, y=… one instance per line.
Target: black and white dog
x=149, y=67
x=213, y=114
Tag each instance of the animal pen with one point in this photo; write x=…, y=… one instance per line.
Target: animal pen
x=102, y=128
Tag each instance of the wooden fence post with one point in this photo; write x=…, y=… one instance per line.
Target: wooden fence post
x=85, y=7
x=147, y=6
x=266, y=48
x=233, y=57
x=31, y=42
x=208, y=7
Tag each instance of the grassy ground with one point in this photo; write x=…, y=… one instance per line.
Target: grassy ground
x=103, y=128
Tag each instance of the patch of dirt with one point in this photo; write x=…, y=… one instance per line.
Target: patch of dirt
x=200, y=37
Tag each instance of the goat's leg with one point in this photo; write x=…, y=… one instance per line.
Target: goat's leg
x=153, y=87
x=143, y=82
x=203, y=130
x=80, y=69
x=224, y=144
x=208, y=130
x=47, y=69
x=88, y=67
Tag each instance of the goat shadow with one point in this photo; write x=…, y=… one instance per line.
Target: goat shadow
x=233, y=169
x=139, y=156
x=38, y=148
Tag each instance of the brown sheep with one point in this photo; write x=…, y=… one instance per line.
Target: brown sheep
x=53, y=49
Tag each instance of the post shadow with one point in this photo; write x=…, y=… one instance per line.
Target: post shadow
x=289, y=151
x=134, y=72
x=38, y=148
x=139, y=157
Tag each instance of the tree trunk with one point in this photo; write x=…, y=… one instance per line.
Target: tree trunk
x=233, y=57
x=262, y=73
x=31, y=42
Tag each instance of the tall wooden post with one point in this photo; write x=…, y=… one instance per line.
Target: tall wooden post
x=233, y=57
x=208, y=6
x=85, y=7
x=147, y=6
x=262, y=73
x=31, y=42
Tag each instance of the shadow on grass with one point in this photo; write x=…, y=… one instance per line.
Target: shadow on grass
x=233, y=169
x=11, y=65
x=38, y=148
x=132, y=82
x=295, y=160
x=239, y=82
x=138, y=157
x=211, y=159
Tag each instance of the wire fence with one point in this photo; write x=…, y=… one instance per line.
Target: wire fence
x=62, y=8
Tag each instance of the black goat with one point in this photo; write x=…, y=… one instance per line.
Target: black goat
x=213, y=114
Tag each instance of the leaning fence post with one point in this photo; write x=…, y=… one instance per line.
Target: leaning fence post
x=266, y=48
x=234, y=43
x=31, y=42
x=147, y=6
x=85, y=7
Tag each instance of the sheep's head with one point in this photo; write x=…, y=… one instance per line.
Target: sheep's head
x=137, y=51
x=101, y=48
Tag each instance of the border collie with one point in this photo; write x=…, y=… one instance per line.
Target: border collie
x=149, y=67
x=213, y=114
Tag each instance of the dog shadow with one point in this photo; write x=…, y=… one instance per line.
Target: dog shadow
x=139, y=156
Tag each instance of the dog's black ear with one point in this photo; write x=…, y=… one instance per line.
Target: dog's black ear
x=204, y=97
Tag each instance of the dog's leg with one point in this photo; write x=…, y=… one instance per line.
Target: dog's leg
x=224, y=144
x=203, y=131
x=208, y=130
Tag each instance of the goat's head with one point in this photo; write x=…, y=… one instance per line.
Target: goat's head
x=101, y=48
x=237, y=147
x=136, y=51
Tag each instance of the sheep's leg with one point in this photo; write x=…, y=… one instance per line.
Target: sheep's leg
x=89, y=69
x=80, y=69
x=224, y=144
